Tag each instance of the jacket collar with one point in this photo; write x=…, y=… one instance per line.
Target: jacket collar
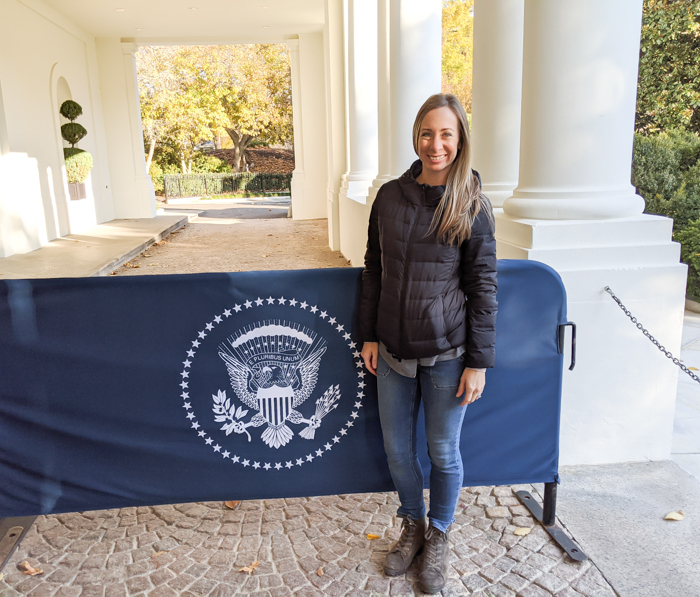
x=414, y=190
x=419, y=192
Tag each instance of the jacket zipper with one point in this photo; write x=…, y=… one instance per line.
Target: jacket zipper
x=405, y=265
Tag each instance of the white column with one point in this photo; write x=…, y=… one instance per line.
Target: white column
x=297, y=186
x=416, y=70
x=311, y=115
x=383, y=98
x=132, y=189
x=496, y=95
x=578, y=105
x=333, y=38
x=361, y=98
x=575, y=210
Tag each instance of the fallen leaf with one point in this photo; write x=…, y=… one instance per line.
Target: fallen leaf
x=521, y=531
x=693, y=368
x=2, y=575
x=319, y=571
x=232, y=505
x=28, y=569
x=371, y=536
x=152, y=264
x=251, y=568
x=675, y=515
x=159, y=553
x=264, y=255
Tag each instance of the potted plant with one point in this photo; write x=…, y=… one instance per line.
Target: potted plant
x=78, y=161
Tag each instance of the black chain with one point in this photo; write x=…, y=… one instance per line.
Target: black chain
x=654, y=341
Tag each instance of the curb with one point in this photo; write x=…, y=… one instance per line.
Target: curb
x=109, y=267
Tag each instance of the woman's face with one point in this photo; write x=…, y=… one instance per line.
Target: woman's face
x=438, y=144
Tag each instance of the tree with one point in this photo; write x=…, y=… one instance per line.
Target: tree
x=457, y=49
x=157, y=83
x=254, y=86
x=669, y=70
x=191, y=93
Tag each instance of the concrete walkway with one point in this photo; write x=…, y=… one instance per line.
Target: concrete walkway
x=319, y=546
x=96, y=252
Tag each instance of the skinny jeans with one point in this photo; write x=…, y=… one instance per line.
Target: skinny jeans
x=399, y=403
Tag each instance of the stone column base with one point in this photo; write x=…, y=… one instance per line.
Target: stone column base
x=618, y=403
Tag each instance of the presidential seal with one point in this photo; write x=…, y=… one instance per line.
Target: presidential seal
x=272, y=383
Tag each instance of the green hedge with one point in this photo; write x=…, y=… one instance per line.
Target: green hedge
x=199, y=185
x=666, y=172
x=78, y=164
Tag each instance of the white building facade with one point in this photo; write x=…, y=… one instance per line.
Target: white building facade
x=553, y=119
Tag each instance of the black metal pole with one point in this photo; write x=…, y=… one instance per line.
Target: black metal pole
x=550, y=504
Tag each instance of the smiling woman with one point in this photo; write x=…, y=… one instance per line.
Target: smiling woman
x=431, y=245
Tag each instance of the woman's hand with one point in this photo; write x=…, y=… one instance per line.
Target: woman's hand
x=370, y=354
x=471, y=385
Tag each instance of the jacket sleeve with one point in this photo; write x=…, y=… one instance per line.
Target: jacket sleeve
x=479, y=284
x=371, y=279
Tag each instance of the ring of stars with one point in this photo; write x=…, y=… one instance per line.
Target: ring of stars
x=251, y=304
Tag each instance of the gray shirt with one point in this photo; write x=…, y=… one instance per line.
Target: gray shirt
x=409, y=367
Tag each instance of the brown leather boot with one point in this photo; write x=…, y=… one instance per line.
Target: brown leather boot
x=400, y=556
x=433, y=574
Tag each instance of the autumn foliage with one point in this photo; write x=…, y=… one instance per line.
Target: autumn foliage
x=195, y=93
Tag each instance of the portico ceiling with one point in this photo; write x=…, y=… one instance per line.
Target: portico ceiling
x=190, y=21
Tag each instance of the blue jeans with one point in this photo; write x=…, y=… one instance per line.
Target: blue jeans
x=399, y=401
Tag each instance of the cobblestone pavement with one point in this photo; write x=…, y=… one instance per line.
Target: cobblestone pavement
x=305, y=546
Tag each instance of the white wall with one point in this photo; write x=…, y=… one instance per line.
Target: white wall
x=37, y=48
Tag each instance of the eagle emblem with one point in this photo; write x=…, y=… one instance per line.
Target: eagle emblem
x=273, y=369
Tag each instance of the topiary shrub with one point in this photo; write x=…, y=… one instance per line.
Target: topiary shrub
x=70, y=110
x=78, y=164
x=73, y=132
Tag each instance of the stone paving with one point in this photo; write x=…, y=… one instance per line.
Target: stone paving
x=307, y=547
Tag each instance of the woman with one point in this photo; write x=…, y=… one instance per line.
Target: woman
x=431, y=244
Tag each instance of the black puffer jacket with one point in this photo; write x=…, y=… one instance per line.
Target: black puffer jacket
x=413, y=288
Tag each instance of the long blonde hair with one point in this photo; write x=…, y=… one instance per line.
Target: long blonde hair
x=462, y=200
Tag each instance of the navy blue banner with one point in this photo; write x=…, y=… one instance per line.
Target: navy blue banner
x=137, y=391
